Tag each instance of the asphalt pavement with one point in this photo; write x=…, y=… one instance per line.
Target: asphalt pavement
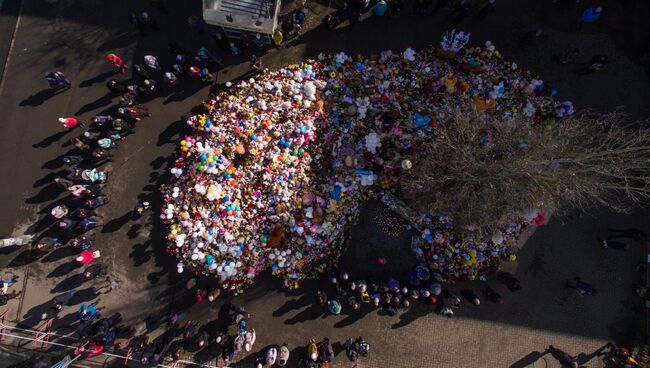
x=74, y=35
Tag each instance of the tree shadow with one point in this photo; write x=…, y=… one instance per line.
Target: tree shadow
x=117, y=223
x=40, y=97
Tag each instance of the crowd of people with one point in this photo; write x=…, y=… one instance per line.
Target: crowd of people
x=273, y=173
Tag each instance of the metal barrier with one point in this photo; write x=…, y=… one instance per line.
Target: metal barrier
x=42, y=336
x=3, y=319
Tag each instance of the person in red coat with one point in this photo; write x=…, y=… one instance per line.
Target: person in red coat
x=117, y=62
x=70, y=122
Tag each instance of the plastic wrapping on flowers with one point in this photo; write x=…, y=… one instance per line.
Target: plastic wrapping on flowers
x=273, y=173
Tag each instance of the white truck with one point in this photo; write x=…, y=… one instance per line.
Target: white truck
x=236, y=16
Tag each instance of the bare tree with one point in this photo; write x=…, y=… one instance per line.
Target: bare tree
x=484, y=170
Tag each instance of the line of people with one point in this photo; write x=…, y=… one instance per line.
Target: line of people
x=391, y=295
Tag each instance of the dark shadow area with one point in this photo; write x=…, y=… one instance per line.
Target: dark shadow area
x=98, y=79
x=117, y=223
x=141, y=254
x=312, y=312
x=118, y=41
x=171, y=133
x=33, y=316
x=59, y=254
x=188, y=88
x=51, y=139
x=369, y=241
x=413, y=313
x=355, y=316
x=99, y=103
x=293, y=304
x=134, y=231
x=528, y=360
x=25, y=257
x=583, y=358
x=65, y=269
x=40, y=97
x=69, y=283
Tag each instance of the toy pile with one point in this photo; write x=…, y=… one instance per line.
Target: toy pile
x=274, y=173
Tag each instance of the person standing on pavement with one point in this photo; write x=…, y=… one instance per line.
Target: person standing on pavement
x=86, y=257
x=62, y=182
x=72, y=160
x=117, y=62
x=255, y=63
x=380, y=8
x=141, y=71
x=277, y=38
x=152, y=62
x=71, y=122
x=62, y=301
x=140, y=208
x=48, y=243
x=95, y=270
x=116, y=86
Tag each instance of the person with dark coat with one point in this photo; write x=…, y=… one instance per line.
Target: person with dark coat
x=95, y=270
x=116, y=86
x=62, y=301
x=141, y=71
